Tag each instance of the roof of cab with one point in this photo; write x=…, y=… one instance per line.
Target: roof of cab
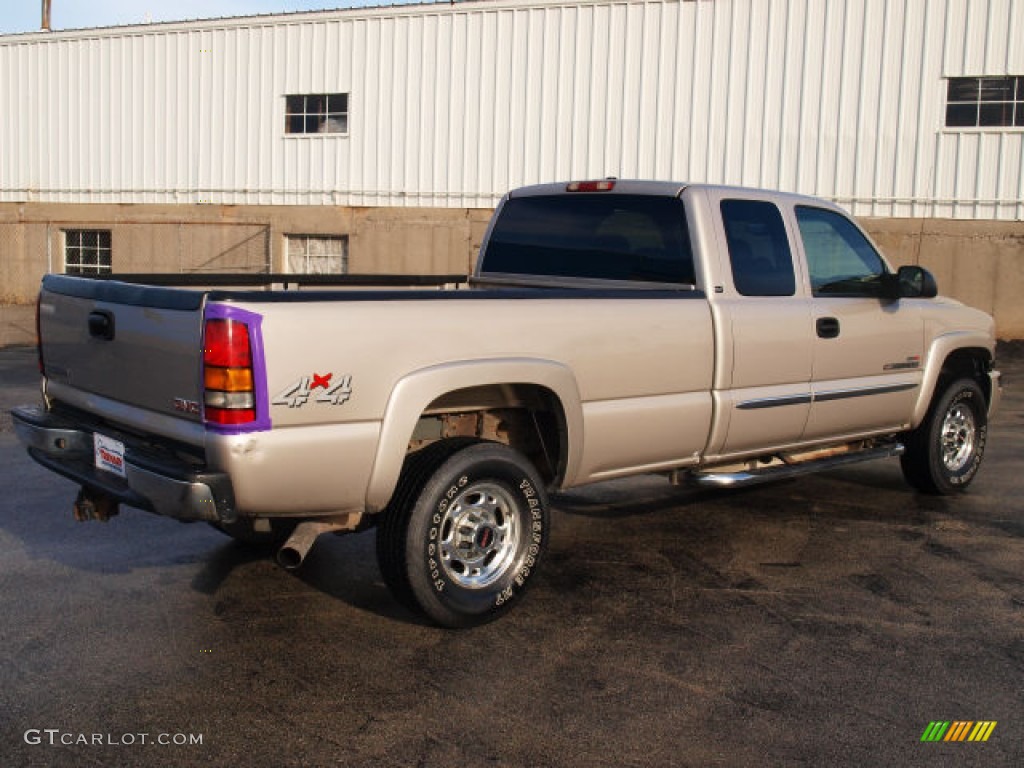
x=622, y=186
x=665, y=188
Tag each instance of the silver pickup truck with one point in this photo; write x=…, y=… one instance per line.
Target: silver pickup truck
x=720, y=336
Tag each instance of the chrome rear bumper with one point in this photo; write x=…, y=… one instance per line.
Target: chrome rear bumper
x=164, y=485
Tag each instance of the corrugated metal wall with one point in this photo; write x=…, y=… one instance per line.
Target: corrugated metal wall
x=451, y=105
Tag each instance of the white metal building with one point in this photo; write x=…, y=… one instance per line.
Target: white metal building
x=895, y=108
x=450, y=105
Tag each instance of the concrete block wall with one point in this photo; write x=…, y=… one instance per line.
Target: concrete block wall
x=23, y=259
x=978, y=262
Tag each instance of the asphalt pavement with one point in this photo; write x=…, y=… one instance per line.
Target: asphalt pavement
x=824, y=621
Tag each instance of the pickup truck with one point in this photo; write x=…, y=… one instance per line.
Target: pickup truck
x=720, y=336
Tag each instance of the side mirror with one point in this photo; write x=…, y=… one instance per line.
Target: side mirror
x=910, y=282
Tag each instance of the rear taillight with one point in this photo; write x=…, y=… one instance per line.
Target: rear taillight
x=229, y=393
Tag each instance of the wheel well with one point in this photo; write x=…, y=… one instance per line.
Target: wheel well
x=974, y=363
x=526, y=417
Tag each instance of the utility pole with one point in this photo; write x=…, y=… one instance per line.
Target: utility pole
x=46, y=16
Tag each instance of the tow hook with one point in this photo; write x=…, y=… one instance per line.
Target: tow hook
x=93, y=505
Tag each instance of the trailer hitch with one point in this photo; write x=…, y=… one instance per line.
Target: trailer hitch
x=94, y=505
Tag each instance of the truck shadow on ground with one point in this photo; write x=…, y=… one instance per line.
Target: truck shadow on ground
x=611, y=522
x=345, y=568
x=860, y=493
x=223, y=562
x=592, y=527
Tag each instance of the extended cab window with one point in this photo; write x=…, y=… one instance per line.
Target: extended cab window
x=762, y=264
x=602, y=236
x=840, y=259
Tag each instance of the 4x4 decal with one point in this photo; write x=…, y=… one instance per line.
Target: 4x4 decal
x=321, y=388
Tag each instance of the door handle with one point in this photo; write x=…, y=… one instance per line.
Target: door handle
x=827, y=327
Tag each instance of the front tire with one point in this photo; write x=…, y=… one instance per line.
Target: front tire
x=944, y=454
x=465, y=531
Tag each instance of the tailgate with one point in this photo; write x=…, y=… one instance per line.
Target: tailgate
x=137, y=345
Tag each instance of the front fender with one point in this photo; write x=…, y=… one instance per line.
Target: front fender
x=939, y=351
x=416, y=391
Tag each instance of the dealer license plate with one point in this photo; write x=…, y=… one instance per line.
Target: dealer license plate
x=109, y=454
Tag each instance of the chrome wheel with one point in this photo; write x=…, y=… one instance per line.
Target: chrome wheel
x=479, y=535
x=957, y=435
x=465, y=531
x=944, y=452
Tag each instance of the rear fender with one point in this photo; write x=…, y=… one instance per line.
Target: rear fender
x=415, y=392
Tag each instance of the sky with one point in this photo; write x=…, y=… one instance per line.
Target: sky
x=26, y=15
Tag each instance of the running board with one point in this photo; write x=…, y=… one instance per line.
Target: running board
x=782, y=471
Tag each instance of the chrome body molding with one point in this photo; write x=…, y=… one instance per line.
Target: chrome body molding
x=820, y=397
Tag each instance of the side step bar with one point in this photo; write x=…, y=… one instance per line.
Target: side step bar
x=782, y=471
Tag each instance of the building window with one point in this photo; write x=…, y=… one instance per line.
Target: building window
x=984, y=102
x=316, y=113
x=317, y=254
x=87, y=251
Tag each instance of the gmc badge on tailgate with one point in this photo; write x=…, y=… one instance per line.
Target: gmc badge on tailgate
x=186, y=406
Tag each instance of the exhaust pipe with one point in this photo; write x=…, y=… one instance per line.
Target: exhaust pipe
x=295, y=549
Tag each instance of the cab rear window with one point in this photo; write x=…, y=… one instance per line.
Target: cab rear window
x=605, y=237
x=762, y=264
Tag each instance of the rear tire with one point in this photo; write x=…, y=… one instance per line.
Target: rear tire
x=944, y=453
x=465, y=531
